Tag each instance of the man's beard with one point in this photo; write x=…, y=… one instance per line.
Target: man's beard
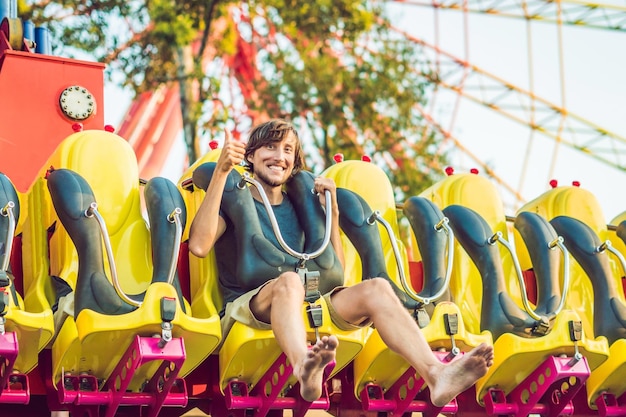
x=271, y=182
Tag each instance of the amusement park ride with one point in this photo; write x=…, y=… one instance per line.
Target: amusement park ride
x=101, y=314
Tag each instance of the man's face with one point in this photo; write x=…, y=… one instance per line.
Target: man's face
x=273, y=163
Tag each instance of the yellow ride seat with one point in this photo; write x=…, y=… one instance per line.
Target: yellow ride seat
x=30, y=322
x=499, y=307
x=377, y=364
x=246, y=354
x=100, y=167
x=618, y=235
x=597, y=291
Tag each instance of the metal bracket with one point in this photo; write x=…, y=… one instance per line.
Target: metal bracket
x=543, y=326
x=168, y=312
x=451, y=322
x=575, y=334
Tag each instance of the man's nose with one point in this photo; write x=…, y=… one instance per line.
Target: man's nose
x=280, y=154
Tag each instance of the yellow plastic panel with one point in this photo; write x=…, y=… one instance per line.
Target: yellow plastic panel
x=479, y=194
x=610, y=376
x=66, y=351
x=618, y=219
x=516, y=357
x=377, y=363
x=619, y=272
x=372, y=184
x=133, y=257
x=581, y=204
x=33, y=331
x=248, y=353
x=31, y=321
x=108, y=164
x=94, y=342
x=203, y=284
x=105, y=338
x=570, y=201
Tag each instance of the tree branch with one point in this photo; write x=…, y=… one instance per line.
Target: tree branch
x=112, y=56
x=208, y=18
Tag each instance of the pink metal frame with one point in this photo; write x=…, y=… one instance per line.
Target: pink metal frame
x=607, y=404
x=265, y=394
x=82, y=393
x=548, y=390
x=13, y=386
x=401, y=397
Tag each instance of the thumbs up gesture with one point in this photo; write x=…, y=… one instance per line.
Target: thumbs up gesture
x=232, y=153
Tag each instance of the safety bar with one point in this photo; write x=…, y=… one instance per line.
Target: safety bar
x=558, y=242
x=92, y=211
x=609, y=246
x=174, y=217
x=246, y=177
x=7, y=211
x=441, y=225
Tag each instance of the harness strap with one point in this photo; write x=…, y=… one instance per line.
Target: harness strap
x=311, y=282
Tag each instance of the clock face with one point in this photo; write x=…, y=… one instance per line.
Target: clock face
x=77, y=102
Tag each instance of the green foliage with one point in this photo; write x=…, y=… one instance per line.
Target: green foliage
x=334, y=67
x=354, y=81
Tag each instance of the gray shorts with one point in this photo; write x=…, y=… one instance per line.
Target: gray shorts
x=239, y=310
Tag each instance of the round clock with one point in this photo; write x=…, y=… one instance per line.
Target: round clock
x=77, y=102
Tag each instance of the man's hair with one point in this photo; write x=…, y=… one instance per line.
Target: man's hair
x=272, y=131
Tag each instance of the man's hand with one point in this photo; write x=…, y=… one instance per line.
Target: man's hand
x=321, y=185
x=232, y=153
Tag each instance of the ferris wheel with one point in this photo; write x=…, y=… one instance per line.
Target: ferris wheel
x=525, y=91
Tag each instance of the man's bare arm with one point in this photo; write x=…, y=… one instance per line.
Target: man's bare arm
x=207, y=226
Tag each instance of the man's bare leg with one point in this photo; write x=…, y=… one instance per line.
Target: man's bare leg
x=280, y=303
x=375, y=299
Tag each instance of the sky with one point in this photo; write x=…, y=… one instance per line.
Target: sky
x=589, y=83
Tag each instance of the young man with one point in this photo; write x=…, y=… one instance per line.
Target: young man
x=273, y=154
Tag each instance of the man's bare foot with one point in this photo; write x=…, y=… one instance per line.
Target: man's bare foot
x=460, y=374
x=310, y=372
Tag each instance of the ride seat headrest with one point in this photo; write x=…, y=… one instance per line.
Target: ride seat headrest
x=571, y=201
x=108, y=164
x=368, y=181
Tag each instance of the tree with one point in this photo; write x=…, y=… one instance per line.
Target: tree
x=333, y=67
